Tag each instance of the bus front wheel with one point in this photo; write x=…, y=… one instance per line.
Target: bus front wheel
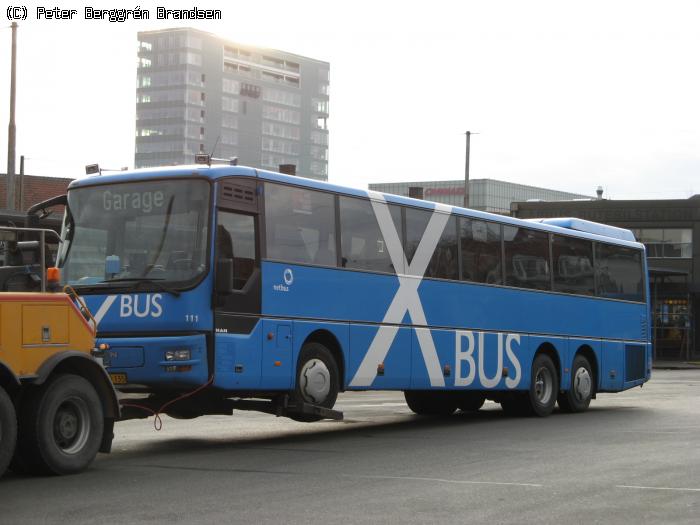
x=580, y=392
x=8, y=430
x=317, y=381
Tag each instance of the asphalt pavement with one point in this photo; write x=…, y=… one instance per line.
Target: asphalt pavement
x=633, y=457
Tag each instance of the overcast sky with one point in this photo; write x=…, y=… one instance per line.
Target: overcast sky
x=565, y=95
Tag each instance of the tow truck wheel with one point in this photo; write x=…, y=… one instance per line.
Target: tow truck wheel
x=61, y=426
x=8, y=430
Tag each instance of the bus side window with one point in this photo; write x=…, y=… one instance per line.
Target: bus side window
x=572, y=265
x=619, y=272
x=235, y=239
x=362, y=244
x=481, y=251
x=527, y=258
x=300, y=225
x=444, y=262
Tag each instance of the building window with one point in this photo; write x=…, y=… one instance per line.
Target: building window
x=280, y=146
x=318, y=137
x=229, y=121
x=231, y=86
x=319, y=168
x=229, y=137
x=282, y=97
x=281, y=114
x=670, y=243
x=321, y=106
x=229, y=104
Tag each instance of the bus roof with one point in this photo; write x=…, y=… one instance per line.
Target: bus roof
x=567, y=226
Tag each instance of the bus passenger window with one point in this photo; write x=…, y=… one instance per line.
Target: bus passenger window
x=235, y=239
x=300, y=225
x=527, y=258
x=363, y=246
x=572, y=265
x=416, y=223
x=619, y=272
x=481, y=251
x=444, y=263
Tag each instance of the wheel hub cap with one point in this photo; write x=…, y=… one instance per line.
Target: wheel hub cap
x=315, y=381
x=71, y=426
x=543, y=385
x=582, y=384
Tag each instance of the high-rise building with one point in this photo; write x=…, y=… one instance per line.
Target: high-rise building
x=484, y=194
x=198, y=93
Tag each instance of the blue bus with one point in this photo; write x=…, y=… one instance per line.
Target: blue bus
x=243, y=288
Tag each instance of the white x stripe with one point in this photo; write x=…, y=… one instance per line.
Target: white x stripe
x=406, y=298
x=104, y=308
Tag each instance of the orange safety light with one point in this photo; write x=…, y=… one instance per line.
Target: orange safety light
x=53, y=275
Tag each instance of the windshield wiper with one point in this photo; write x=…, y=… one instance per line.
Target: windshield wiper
x=155, y=281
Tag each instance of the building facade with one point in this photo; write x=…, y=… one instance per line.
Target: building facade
x=670, y=229
x=484, y=194
x=32, y=189
x=197, y=93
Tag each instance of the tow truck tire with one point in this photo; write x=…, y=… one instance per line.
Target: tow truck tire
x=60, y=427
x=8, y=430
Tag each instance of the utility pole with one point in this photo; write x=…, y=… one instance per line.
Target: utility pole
x=10, y=189
x=466, y=172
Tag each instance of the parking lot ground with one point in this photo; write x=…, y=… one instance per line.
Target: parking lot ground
x=633, y=457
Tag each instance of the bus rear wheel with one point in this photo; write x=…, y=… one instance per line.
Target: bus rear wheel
x=430, y=402
x=543, y=386
x=60, y=427
x=317, y=380
x=580, y=392
x=8, y=430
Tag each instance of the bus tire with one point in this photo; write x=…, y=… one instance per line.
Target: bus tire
x=470, y=401
x=542, y=395
x=60, y=427
x=430, y=402
x=517, y=405
x=8, y=430
x=317, y=380
x=580, y=392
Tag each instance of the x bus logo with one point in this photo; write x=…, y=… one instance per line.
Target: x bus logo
x=406, y=298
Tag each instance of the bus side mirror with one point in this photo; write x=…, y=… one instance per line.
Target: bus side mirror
x=224, y=276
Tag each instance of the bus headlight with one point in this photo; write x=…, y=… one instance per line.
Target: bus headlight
x=177, y=355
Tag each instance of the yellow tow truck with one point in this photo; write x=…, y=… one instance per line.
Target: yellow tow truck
x=57, y=403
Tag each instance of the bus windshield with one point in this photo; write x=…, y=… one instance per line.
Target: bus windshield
x=140, y=231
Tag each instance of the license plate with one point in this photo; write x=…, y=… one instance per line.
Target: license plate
x=118, y=379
